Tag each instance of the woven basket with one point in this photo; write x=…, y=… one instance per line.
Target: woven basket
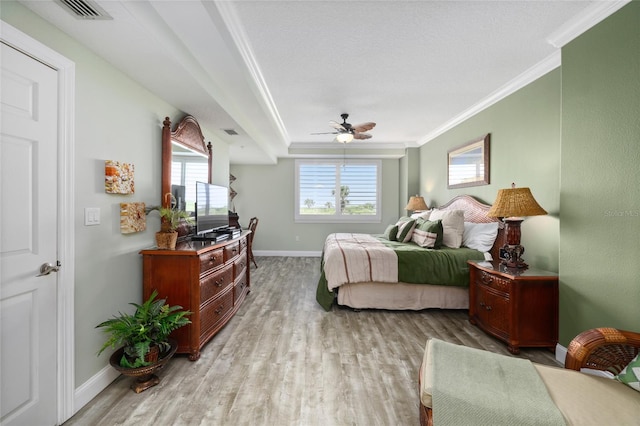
x=166, y=240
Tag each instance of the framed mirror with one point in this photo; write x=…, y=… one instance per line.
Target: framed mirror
x=186, y=159
x=468, y=165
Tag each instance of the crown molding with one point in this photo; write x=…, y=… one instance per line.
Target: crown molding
x=548, y=64
x=230, y=18
x=591, y=16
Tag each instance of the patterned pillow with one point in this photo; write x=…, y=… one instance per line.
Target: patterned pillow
x=405, y=229
x=631, y=374
x=427, y=233
x=391, y=233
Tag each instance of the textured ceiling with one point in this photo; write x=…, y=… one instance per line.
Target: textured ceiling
x=277, y=71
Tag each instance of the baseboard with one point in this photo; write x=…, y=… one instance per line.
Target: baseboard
x=284, y=253
x=561, y=353
x=92, y=387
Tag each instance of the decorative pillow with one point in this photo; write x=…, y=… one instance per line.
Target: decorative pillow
x=405, y=229
x=480, y=236
x=452, y=226
x=391, y=233
x=427, y=233
x=421, y=215
x=630, y=375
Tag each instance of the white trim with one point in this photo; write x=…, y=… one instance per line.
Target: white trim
x=96, y=384
x=66, y=234
x=548, y=64
x=561, y=353
x=284, y=253
x=591, y=16
x=230, y=17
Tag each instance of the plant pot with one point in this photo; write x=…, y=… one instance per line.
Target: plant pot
x=166, y=240
x=153, y=354
x=144, y=376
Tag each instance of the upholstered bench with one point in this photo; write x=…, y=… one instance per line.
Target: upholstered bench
x=579, y=398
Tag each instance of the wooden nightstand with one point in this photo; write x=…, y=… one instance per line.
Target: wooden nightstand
x=517, y=306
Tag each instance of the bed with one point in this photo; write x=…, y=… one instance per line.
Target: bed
x=365, y=271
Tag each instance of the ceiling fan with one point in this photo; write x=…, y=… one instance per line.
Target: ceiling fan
x=347, y=132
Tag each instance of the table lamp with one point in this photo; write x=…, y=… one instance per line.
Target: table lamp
x=512, y=205
x=416, y=203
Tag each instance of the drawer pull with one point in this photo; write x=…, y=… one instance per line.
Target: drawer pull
x=212, y=258
x=486, y=279
x=220, y=282
x=483, y=305
x=220, y=309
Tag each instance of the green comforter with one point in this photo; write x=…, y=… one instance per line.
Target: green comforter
x=417, y=265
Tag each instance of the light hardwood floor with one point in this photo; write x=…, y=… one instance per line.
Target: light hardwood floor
x=283, y=360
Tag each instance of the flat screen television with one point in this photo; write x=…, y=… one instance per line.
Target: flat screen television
x=212, y=207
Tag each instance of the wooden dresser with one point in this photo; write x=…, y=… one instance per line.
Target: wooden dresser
x=517, y=306
x=211, y=280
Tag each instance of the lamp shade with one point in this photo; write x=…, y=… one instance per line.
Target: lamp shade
x=416, y=203
x=515, y=202
x=344, y=137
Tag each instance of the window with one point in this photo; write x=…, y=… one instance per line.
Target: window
x=186, y=171
x=337, y=191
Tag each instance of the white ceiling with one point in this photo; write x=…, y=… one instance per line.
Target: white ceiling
x=277, y=71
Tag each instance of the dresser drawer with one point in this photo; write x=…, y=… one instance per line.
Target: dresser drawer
x=492, y=281
x=231, y=251
x=211, y=259
x=212, y=284
x=243, y=244
x=215, y=312
x=240, y=289
x=240, y=265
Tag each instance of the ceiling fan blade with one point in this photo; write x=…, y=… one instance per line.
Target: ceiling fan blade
x=362, y=136
x=337, y=125
x=363, y=127
x=325, y=133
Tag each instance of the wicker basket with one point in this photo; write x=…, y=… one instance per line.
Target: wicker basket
x=166, y=240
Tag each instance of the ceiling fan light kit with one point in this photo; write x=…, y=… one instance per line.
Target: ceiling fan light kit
x=344, y=137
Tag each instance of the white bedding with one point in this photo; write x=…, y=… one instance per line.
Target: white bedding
x=368, y=260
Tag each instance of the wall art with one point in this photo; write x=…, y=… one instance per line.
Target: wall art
x=132, y=217
x=118, y=177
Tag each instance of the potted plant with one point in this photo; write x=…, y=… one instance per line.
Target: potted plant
x=171, y=218
x=144, y=336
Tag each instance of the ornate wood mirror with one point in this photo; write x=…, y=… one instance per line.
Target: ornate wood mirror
x=185, y=159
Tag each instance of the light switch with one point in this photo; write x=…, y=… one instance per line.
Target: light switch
x=91, y=216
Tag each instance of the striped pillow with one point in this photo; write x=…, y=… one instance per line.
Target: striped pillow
x=428, y=233
x=405, y=229
x=391, y=233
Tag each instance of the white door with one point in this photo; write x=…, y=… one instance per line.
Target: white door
x=28, y=239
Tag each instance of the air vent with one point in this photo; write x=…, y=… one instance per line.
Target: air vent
x=85, y=9
x=230, y=132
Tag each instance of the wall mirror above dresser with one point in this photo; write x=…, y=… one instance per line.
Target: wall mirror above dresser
x=186, y=159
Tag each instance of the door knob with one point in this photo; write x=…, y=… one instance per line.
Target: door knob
x=47, y=268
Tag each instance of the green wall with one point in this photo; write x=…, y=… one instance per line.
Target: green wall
x=268, y=191
x=600, y=191
x=115, y=119
x=524, y=148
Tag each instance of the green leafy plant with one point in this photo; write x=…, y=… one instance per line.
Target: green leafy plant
x=171, y=215
x=150, y=325
x=171, y=218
